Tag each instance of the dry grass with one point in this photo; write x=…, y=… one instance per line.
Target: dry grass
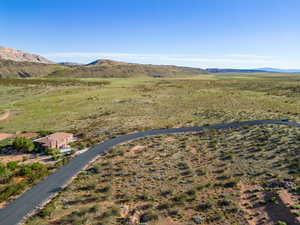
x=180, y=177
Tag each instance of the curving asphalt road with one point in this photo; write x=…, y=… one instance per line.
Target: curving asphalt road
x=16, y=211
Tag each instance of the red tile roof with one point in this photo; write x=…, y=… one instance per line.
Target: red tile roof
x=57, y=138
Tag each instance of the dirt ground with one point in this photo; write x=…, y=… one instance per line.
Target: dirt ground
x=25, y=158
x=5, y=115
x=5, y=136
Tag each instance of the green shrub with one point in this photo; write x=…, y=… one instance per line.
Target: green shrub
x=3, y=170
x=37, y=166
x=25, y=171
x=12, y=165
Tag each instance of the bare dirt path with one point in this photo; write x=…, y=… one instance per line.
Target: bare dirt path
x=5, y=115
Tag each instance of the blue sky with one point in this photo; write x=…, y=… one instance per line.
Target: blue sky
x=199, y=33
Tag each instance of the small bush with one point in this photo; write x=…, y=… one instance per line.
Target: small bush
x=37, y=166
x=148, y=216
x=163, y=206
x=203, y=207
x=25, y=171
x=230, y=184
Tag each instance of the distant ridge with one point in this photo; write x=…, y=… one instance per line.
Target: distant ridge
x=20, y=56
x=259, y=70
x=275, y=70
x=217, y=70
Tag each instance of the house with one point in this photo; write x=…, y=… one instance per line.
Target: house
x=58, y=140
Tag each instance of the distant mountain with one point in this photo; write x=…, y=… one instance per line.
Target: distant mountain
x=217, y=70
x=70, y=64
x=275, y=70
x=101, y=62
x=19, y=56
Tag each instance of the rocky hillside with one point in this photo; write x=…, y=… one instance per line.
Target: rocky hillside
x=19, y=56
x=13, y=69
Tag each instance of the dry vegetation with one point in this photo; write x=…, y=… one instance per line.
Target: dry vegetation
x=127, y=105
x=212, y=177
x=236, y=176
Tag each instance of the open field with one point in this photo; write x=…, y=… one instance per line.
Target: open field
x=247, y=175
x=100, y=110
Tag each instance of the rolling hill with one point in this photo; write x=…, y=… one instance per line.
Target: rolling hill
x=110, y=68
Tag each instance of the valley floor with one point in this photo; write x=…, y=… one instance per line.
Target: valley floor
x=99, y=109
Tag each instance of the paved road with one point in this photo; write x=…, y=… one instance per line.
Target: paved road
x=17, y=210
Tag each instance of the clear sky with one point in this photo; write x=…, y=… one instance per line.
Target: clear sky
x=200, y=33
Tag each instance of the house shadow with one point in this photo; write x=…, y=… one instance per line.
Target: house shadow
x=278, y=211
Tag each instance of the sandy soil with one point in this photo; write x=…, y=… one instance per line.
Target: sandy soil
x=5, y=135
x=25, y=158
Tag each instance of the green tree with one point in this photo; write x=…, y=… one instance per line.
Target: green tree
x=24, y=145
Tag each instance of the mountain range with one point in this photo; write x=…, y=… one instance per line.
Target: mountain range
x=16, y=63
